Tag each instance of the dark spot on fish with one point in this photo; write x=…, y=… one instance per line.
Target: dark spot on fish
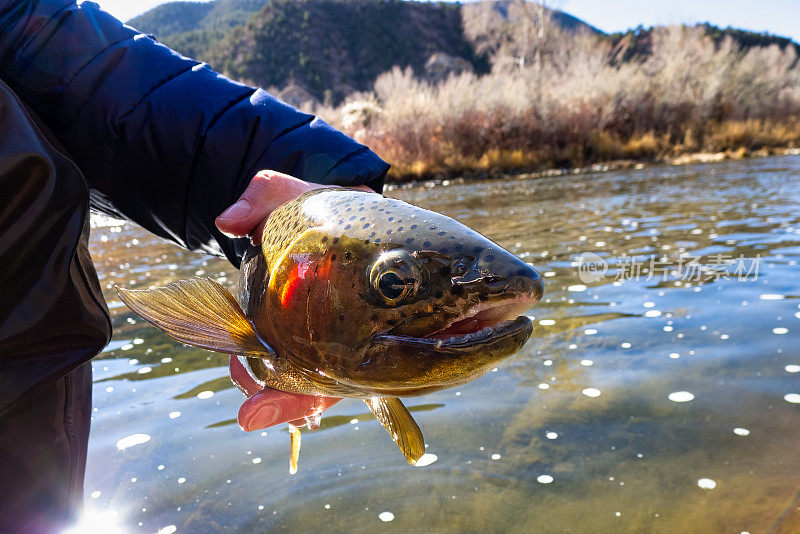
x=335, y=240
x=366, y=225
x=371, y=234
x=413, y=226
x=452, y=237
x=391, y=219
x=388, y=232
x=433, y=228
x=324, y=238
x=366, y=241
x=478, y=250
x=333, y=257
x=459, y=247
x=410, y=240
x=442, y=233
x=444, y=250
x=363, y=219
x=490, y=257
x=346, y=226
x=399, y=228
x=353, y=218
x=426, y=244
x=377, y=241
x=348, y=255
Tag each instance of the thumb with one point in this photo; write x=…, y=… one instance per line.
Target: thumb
x=266, y=191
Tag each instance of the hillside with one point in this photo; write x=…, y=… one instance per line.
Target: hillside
x=636, y=44
x=335, y=47
x=193, y=28
x=329, y=48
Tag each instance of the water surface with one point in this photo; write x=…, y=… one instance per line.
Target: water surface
x=663, y=396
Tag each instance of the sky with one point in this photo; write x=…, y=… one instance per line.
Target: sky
x=779, y=17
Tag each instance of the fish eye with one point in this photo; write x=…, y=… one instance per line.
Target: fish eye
x=395, y=277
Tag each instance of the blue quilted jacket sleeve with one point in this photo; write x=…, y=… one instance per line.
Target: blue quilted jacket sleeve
x=162, y=139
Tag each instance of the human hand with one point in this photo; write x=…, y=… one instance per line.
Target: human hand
x=267, y=407
x=267, y=190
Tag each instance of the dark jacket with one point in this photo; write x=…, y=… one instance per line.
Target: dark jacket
x=153, y=137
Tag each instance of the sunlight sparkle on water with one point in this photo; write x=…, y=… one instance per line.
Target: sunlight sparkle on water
x=544, y=479
x=496, y=456
x=706, y=483
x=652, y=313
x=94, y=522
x=174, y=415
x=794, y=398
x=792, y=368
x=680, y=396
x=587, y=363
x=591, y=392
x=741, y=431
x=577, y=288
x=386, y=516
x=169, y=529
x=132, y=440
x=547, y=322
x=551, y=435
x=772, y=296
x=205, y=394
x=780, y=330
x=590, y=331
x=426, y=459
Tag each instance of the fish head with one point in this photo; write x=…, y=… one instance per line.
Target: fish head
x=392, y=299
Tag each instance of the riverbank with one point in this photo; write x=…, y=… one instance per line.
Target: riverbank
x=597, y=151
x=621, y=164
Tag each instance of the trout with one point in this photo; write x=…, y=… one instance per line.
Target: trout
x=351, y=294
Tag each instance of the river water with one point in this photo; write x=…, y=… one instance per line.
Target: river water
x=660, y=392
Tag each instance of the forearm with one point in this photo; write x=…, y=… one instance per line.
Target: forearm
x=162, y=139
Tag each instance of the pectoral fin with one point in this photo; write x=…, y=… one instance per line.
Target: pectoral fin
x=199, y=312
x=396, y=419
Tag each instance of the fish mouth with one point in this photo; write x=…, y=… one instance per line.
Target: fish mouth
x=486, y=323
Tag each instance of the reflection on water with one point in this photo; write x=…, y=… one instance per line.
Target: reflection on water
x=662, y=396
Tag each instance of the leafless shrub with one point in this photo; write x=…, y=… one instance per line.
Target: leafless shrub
x=555, y=99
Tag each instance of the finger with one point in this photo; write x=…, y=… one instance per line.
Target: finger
x=241, y=378
x=266, y=191
x=270, y=407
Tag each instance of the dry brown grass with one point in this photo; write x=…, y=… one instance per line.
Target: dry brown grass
x=566, y=105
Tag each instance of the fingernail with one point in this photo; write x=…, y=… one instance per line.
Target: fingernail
x=240, y=210
x=265, y=416
x=231, y=234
